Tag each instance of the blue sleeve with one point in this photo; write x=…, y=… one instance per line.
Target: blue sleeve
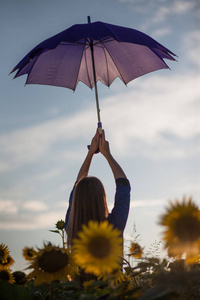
x=69, y=208
x=119, y=214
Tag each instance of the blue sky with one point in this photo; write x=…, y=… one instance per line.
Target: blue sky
x=152, y=124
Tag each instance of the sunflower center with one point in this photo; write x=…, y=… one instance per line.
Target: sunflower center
x=4, y=275
x=30, y=253
x=187, y=229
x=6, y=262
x=99, y=247
x=1, y=253
x=53, y=261
x=60, y=224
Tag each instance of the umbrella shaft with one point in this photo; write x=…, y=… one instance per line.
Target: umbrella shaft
x=95, y=83
x=97, y=104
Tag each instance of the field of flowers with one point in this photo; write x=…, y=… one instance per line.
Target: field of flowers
x=95, y=267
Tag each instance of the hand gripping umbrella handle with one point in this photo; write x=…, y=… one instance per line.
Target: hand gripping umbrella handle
x=100, y=128
x=100, y=133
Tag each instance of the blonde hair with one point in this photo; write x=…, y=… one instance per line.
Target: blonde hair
x=88, y=203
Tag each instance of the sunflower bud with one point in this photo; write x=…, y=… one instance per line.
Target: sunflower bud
x=60, y=225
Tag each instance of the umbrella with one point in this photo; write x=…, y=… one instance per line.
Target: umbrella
x=91, y=52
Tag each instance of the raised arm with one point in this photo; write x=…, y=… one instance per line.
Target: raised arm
x=105, y=150
x=86, y=164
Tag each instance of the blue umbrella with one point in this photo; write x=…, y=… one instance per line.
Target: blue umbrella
x=91, y=52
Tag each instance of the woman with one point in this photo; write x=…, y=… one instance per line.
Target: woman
x=88, y=199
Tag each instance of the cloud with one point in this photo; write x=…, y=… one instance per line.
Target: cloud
x=13, y=207
x=180, y=6
x=191, y=189
x=155, y=116
x=176, y=7
x=9, y=206
x=191, y=42
x=32, y=143
x=163, y=7
x=33, y=214
x=20, y=215
x=163, y=13
x=34, y=206
x=31, y=221
x=44, y=176
x=143, y=203
x=147, y=203
x=161, y=32
x=157, y=122
x=16, y=215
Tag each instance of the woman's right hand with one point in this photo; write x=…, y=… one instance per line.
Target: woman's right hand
x=104, y=145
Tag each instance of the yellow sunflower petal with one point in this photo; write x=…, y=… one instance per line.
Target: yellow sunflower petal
x=135, y=250
x=182, y=234
x=4, y=252
x=6, y=275
x=51, y=263
x=9, y=261
x=29, y=253
x=98, y=248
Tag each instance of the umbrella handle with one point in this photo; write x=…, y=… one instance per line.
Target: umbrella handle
x=100, y=128
x=100, y=133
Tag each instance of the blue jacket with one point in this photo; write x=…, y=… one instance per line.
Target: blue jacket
x=119, y=214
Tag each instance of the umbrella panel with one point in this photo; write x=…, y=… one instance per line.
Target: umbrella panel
x=70, y=63
x=134, y=60
x=57, y=67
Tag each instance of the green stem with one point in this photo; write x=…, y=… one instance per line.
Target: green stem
x=63, y=238
x=136, y=283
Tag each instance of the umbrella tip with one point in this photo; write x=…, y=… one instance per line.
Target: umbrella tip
x=89, y=20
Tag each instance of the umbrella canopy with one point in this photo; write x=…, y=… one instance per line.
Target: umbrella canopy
x=65, y=59
x=91, y=52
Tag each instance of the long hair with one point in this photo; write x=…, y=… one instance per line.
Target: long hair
x=88, y=203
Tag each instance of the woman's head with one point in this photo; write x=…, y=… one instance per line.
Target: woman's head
x=89, y=203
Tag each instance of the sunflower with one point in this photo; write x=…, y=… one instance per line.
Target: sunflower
x=60, y=225
x=4, y=252
x=51, y=263
x=135, y=250
x=182, y=234
x=98, y=248
x=29, y=253
x=9, y=261
x=87, y=284
x=5, y=275
x=19, y=277
x=115, y=277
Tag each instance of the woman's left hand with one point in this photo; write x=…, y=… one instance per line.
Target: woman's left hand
x=95, y=143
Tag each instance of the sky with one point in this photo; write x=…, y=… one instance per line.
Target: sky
x=152, y=124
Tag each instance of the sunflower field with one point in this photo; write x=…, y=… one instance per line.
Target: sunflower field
x=97, y=267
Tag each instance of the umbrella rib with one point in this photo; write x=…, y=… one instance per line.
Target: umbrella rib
x=121, y=77
x=166, y=53
x=87, y=69
x=106, y=61
x=32, y=67
x=160, y=57
x=105, y=40
x=78, y=70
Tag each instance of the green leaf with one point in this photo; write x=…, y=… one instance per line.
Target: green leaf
x=157, y=293
x=10, y=291
x=128, y=270
x=55, y=231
